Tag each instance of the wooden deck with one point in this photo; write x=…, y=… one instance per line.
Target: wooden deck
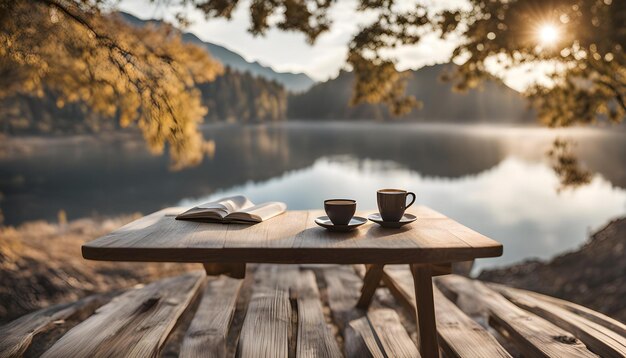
x=310, y=311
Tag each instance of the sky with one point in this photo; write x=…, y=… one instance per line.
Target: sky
x=289, y=51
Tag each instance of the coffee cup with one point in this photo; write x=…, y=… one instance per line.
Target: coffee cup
x=392, y=203
x=340, y=211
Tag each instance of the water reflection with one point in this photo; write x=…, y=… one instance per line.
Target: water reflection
x=514, y=202
x=496, y=179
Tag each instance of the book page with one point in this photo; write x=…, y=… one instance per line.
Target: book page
x=218, y=209
x=259, y=212
x=229, y=204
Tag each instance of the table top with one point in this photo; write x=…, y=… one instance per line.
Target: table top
x=292, y=237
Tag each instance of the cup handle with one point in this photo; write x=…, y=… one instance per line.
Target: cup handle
x=412, y=201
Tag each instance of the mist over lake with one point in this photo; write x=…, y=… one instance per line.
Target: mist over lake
x=497, y=179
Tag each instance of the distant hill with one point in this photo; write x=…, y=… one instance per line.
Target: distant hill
x=295, y=82
x=492, y=102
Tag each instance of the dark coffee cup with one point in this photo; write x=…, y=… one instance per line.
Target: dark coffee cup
x=392, y=203
x=340, y=211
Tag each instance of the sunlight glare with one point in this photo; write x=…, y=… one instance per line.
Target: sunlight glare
x=548, y=34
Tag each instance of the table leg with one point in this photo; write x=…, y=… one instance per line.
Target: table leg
x=426, y=326
x=370, y=283
x=236, y=270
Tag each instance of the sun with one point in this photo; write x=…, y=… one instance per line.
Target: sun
x=548, y=34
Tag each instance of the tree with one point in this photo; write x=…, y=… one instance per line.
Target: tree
x=243, y=97
x=583, y=39
x=139, y=76
x=589, y=82
x=587, y=40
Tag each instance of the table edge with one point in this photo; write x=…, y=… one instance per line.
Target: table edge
x=290, y=255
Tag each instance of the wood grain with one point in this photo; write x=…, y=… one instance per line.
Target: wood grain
x=597, y=317
x=371, y=281
x=426, y=328
x=343, y=287
x=206, y=335
x=233, y=270
x=393, y=338
x=459, y=335
x=266, y=328
x=599, y=339
x=18, y=334
x=134, y=324
x=285, y=318
x=531, y=334
x=382, y=334
x=360, y=340
x=314, y=337
x=291, y=238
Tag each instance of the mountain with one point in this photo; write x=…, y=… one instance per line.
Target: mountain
x=295, y=82
x=492, y=102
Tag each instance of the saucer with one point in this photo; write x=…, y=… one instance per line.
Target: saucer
x=406, y=219
x=355, y=222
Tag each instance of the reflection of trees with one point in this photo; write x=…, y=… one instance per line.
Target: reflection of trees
x=113, y=176
x=566, y=164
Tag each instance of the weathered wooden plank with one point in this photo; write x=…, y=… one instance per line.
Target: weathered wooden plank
x=594, y=316
x=531, y=334
x=599, y=339
x=289, y=238
x=393, y=338
x=206, y=335
x=314, y=337
x=18, y=335
x=266, y=328
x=382, y=334
x=459, y=335
x=360, y=340
x=362, y=333
x=266, y=324
x=134, y=324
x=343, y=287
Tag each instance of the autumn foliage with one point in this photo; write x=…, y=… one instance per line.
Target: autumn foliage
x=139, y=76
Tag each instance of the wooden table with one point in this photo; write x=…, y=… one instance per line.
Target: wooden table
x=429, y=245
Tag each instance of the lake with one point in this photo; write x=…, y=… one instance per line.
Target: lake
x=496, y=180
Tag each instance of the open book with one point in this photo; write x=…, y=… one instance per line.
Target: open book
x=234, y=209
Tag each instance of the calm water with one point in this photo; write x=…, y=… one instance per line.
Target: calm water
x=495, y=180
